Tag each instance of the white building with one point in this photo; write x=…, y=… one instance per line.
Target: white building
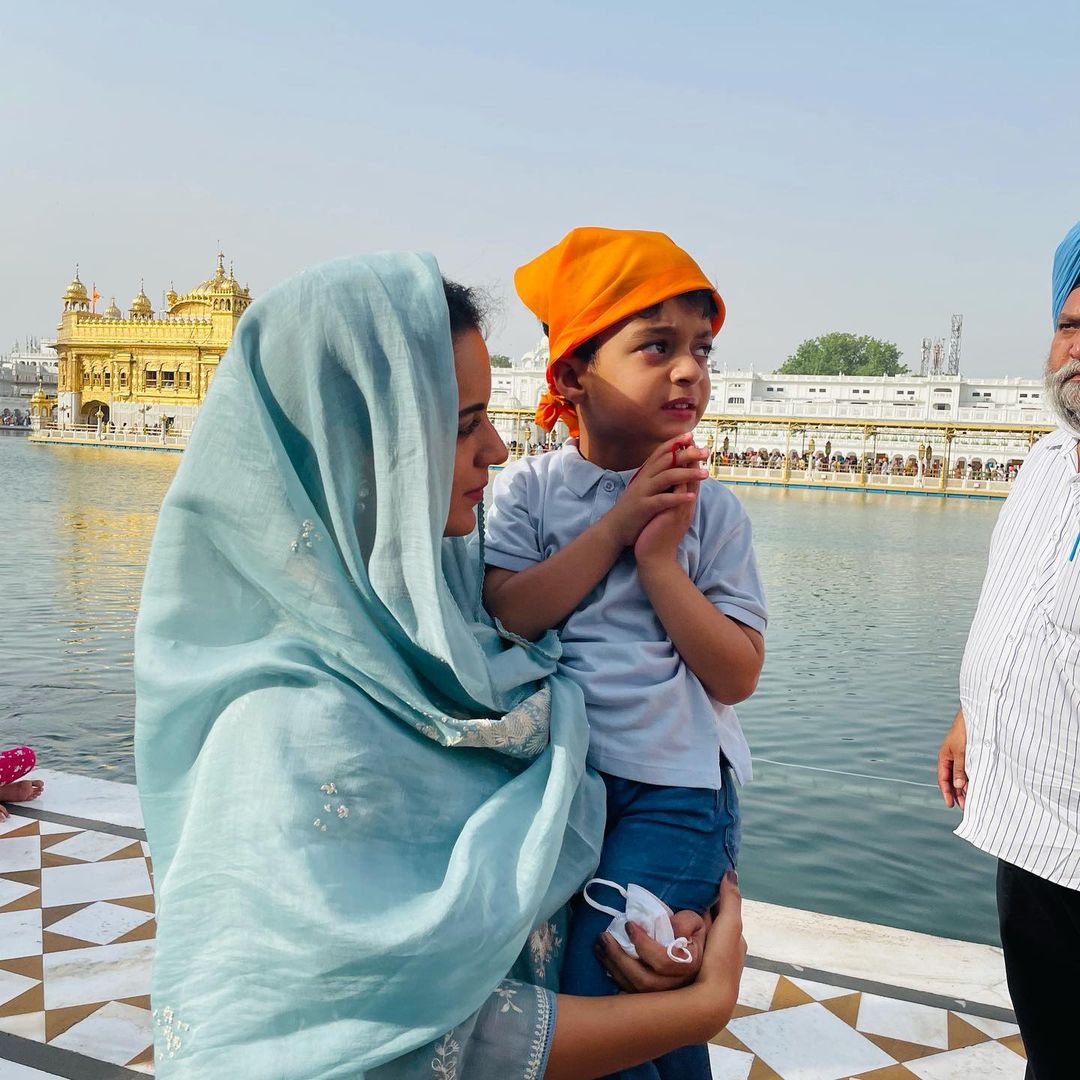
x=758, y=402
x=20, y=371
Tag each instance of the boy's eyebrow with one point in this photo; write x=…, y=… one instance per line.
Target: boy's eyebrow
x=469, y=409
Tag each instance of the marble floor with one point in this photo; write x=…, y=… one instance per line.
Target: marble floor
x=76, y=945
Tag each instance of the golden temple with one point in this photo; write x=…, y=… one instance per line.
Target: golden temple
x=147, y=370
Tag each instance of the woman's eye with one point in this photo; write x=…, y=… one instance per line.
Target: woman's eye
x=469, y=428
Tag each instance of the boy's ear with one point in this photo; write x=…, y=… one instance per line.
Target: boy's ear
x=567, y=377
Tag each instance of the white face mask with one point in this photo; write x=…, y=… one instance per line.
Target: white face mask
x=649, y=912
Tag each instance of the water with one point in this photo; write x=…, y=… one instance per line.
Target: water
x=870, y=600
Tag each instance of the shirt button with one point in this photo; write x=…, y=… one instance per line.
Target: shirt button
x=988, y=743
x=609, y=485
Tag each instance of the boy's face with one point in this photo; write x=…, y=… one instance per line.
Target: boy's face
x=649, y=380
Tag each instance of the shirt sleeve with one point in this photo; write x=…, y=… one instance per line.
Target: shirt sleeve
x=511, y=528
x=508, y=1038
x=728, y=573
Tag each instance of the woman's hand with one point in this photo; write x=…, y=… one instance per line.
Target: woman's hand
x=719, y=950
x=654, y=969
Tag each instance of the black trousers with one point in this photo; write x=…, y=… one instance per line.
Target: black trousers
x=1040, y=933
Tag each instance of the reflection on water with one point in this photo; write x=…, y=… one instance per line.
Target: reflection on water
x=870, y=599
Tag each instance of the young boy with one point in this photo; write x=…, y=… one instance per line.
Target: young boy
x=644, y=565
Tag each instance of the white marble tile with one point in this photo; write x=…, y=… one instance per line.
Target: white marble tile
x=100, y=923
x=904, y=1020
x=996, y=1029
x=116, y=1033
x=728, y=1064
x=89, y=797
x=93, y=881
x=51, y=828
x=12, y=985
x=934, y=965
x=25, y=1025
x=820, y=991
x=102, y=973
x=20, y=853
x=90, y=846
x=757, y=988
x=808, y=1043
x=10, y=891
x=987, y=1061
x=145, y=848
x=10, y=824
x=20, y=933
x=10, y=1070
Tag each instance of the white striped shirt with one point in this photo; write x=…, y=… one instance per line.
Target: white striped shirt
x=1020, y=678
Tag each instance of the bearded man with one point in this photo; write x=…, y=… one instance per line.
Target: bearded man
x=1012, y=757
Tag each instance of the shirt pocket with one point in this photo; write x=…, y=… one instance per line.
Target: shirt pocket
x=1065, y=598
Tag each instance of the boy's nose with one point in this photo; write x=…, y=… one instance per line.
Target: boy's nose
x=687, y=369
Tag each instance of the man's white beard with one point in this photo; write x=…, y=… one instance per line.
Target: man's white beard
x=1064, y=395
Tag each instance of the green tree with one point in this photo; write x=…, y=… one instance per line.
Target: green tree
x=844, y=354
x=498, y=360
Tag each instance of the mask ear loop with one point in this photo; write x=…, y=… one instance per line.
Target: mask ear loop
x=602, y=907
x=677, y=946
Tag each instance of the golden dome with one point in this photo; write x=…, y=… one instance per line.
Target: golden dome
x=112, y=311
x=40, y=397
x=76, y=291
x=141, y=306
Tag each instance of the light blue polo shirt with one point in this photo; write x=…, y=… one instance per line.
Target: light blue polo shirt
x=650, y=717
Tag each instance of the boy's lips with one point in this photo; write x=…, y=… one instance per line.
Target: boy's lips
x=680, y=405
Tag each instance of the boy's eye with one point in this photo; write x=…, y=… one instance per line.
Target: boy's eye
x=704, y=351
x=656, y=348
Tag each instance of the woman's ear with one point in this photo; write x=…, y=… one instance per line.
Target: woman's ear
x=567, y=374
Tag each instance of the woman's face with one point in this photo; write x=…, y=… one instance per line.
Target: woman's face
x=478, y=443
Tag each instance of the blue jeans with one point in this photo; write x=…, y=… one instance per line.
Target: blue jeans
x=676, y=842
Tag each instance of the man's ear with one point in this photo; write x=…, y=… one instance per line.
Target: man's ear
x=567, y=375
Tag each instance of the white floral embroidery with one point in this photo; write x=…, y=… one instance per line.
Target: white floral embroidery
x=538, y=1050
x=544, y=943
x=522, y=732
x=508, y=993
x=172, y=1029
x=445, y=1062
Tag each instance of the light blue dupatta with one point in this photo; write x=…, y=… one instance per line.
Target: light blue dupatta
x=359, y=797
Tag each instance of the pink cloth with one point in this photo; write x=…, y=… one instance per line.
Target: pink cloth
x=15, y=763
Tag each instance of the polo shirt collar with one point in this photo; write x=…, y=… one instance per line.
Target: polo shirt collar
x=582, y=476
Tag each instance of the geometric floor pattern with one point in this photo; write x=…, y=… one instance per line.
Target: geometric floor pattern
x=76, y=944
x=795, y=1029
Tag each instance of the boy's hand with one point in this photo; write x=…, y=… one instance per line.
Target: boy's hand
x=658, y=486
x=659, y=540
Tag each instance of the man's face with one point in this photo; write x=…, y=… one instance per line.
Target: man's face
x=1063, y=364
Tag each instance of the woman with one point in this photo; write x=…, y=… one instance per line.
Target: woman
x=366, y=805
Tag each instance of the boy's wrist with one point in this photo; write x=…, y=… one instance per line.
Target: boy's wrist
x=656, y=569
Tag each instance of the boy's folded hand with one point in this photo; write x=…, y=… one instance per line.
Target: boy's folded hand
x=668, y=480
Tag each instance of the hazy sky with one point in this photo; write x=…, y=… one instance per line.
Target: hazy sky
x=835, y=166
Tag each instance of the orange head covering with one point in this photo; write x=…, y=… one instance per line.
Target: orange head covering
x=592, y=279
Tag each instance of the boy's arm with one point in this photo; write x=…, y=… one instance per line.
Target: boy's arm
x=531, y=601
x=725, y=655
x=722, y=652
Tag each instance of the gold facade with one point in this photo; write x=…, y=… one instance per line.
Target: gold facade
x=148, y=370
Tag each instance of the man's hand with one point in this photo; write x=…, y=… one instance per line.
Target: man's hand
x=951, y=777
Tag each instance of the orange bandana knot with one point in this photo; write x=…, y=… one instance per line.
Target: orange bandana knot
x=554, y=407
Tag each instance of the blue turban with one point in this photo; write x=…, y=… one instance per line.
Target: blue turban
x=1066, y=268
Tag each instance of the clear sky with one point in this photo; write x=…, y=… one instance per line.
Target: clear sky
x=852, y=166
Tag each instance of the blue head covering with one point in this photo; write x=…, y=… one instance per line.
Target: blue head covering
x=359, y=797
x=1066, y=269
